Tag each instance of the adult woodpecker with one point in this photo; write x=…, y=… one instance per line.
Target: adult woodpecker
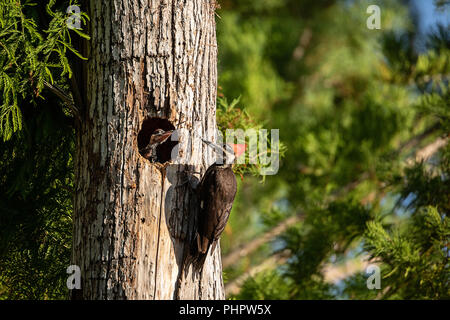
x=156, y=139
x=216, y=192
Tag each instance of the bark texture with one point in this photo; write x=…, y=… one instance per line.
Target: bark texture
x=133, y=219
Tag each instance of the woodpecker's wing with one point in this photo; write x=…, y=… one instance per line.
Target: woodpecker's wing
x=217, y=191
x=205, y=227
x=227, y=180
x=222, y=219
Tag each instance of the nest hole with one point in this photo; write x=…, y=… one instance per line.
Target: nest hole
x=149, y=126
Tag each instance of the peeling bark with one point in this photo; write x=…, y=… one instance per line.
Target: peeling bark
x=133, y=220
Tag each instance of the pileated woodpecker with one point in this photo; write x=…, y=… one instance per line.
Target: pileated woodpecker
x=216, y=191
x=157, y=138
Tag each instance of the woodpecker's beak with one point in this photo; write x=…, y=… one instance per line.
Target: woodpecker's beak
x=238, y=149
x=216, y=147
x=163, y=137
x=166, y=135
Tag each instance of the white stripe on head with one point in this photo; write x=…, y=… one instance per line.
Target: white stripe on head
x=223, y=152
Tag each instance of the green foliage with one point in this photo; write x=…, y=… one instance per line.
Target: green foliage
x=229, y=116
x=416, y=258
x=36, y=166
x=258, y=79
x=415, y=253
x=436, y=103
x=324, y=235
x=31, y=55
x=36, y=181
x=347, y=100
x=266, y=286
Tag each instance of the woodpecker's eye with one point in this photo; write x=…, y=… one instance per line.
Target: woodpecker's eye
x=158, y=132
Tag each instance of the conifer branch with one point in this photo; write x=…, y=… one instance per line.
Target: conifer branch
x=332, y=273
x=65, y=97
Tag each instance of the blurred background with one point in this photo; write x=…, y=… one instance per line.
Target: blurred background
x=362, y=114
x=364, y=119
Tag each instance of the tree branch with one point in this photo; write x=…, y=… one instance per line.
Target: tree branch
x=64, y=97
x=250, y=247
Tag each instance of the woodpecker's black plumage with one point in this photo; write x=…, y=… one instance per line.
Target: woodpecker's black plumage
x=216, y=193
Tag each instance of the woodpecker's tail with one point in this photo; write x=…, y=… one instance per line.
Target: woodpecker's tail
x=200, y=250
x=199, y=261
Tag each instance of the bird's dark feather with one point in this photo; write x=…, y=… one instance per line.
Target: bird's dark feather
x=217, y=190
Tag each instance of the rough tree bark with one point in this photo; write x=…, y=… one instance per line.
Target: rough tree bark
x=133, y=220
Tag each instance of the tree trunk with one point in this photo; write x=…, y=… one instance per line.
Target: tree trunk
x=133, y=219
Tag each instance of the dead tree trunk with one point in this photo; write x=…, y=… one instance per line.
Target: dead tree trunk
x=152, y=64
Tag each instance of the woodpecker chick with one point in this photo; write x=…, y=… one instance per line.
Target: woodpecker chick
x=157, y=138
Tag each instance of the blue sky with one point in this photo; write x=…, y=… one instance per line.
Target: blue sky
x=429, y=16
